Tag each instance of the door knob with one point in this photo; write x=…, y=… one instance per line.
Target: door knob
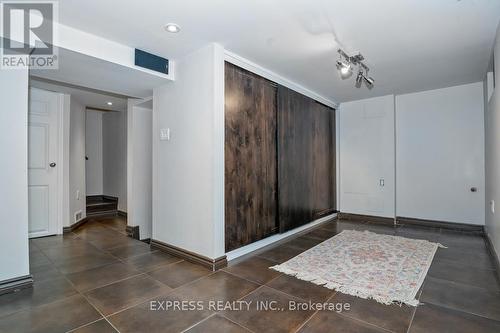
x=52, y=165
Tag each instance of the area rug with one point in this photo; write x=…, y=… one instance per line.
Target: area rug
x=388, y=269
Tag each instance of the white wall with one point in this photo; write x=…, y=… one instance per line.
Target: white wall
x=492, y=154
x=366, y=156
x=187, y=169
x=93, y=149
x=114, y=156
x=77, y=191
x=140, y=168
x=440, y=154
x=14, y=260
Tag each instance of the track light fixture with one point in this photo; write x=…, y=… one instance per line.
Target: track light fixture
x=346, y=63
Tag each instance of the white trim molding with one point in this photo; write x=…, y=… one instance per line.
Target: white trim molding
x=275, y=238
x=270, y=75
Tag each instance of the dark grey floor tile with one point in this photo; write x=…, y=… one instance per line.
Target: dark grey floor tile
x=280, y=253
x=112, y=241
x=178, y=274
x=391, y=317
x=42, y=293
x=38, y=259
x=321, y=234
x=380, y=228
x=462, y=241
x=476, y=258
x=468, y=275
x=280, y=318
x=150, y=317
x=152, y=260
x=100, y=326
x=462, y=297
x=303, y=243
x=84, y=262
x=130, y=250
x=60, y=316
x=301, y=289
x=100, y=276
x=220, y=286
x=70, y=251
x=217, y=323
x=435, y=319
x=331, y=322
x=45, y=272
x=56, y=241
x=126, y=293
x=254, y=269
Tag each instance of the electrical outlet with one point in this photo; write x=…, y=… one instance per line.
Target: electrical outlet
x=492, y=206
x=77, y=194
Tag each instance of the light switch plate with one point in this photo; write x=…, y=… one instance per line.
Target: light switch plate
x=165, y=134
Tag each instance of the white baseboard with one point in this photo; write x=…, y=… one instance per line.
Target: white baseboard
x=275, y=238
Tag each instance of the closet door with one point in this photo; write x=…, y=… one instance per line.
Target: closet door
x=250, y=158
x=306, y=159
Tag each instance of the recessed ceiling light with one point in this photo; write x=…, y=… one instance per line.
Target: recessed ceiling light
x=109, y=103
x=172, y=27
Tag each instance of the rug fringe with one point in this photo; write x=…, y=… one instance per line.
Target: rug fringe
x=341, y=288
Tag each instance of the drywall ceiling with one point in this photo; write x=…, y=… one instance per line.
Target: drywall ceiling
x=411, y=45
x=88, y=98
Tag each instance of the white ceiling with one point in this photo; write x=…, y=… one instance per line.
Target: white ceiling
x=411, y=45
x=86, y=97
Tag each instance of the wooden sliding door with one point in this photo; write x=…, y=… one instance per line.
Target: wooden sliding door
x=250, y=157
x=306, y=159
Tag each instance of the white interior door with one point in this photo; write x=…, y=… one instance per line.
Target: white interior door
x=43, y=127
x=440, y=154
x=366, y=157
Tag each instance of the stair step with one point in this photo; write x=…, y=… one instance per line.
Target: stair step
x=99, y=204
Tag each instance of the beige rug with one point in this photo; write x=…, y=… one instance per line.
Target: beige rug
x=388, y=269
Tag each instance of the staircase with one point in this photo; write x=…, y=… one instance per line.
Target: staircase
x=101, y=205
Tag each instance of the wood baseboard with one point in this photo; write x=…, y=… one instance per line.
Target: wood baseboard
x=16, y=284
x=212, y=264
x=75, y=225
x=441, y=224
x=494, y=255
x=365, y=218
x=133, y=231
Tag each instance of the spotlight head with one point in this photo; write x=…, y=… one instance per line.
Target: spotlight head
x=369, y=80
x=344, y=67
x=359, y=78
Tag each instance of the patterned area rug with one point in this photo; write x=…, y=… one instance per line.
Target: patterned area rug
x=385, y=268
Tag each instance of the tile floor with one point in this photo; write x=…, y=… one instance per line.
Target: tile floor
x=98, y=280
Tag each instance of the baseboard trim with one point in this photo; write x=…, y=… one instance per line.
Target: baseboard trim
x=275, y=240
x=212, y=264
x=16, y=284
x=365, y=218
x=122, y=213
x=133, y=231
x=75, y=225
x=103, y=214
x=493, y=253
x=441, y=224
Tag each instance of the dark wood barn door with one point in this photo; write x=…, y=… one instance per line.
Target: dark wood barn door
x=306, y=159
x=250, y=158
